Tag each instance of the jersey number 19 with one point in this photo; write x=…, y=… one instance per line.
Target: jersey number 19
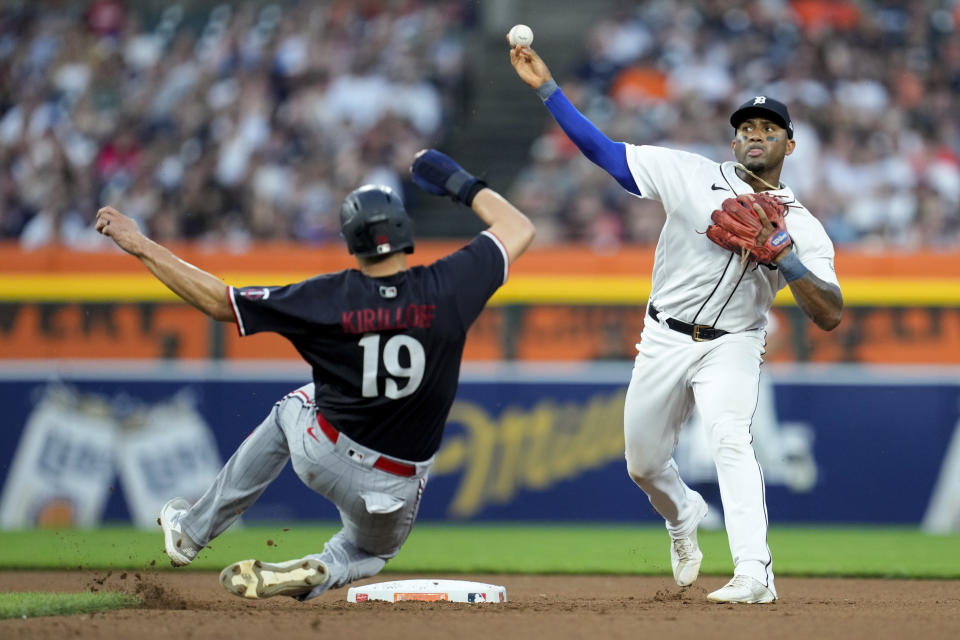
x=413, y=373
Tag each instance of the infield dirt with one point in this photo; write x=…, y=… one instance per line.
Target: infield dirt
x=192, y=605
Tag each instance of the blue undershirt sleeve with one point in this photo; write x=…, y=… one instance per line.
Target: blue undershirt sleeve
x=598, y=148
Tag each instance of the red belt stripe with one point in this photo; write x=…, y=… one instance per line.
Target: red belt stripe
x=382, y=463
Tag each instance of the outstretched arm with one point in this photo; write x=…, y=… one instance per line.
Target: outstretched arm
x=439, y=174
x=598, y=148
x=204, y=291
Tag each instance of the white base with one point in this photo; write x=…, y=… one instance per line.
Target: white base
x=429, y=590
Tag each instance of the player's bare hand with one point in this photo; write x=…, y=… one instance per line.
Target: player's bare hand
x=123, y=230
x=528, y=65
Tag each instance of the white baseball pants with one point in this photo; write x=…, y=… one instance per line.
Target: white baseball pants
x=672, y=374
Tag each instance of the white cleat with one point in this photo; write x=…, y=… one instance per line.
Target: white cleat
x=178, y=545
x=743, y=589
x=685, y=554
x=256, y=579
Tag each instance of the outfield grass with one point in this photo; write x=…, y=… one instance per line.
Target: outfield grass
x=545, y=549
x=34, y=605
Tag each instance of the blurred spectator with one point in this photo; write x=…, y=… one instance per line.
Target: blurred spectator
x=874, y=93
x=229, y=124
x=105, y=17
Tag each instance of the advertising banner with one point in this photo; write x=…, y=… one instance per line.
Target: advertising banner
x=62, y=469
x=164, y=450
x=838, y=444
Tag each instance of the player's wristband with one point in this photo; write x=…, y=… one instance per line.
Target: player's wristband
x=791, y=267
x=463, y=186
x=547, y=88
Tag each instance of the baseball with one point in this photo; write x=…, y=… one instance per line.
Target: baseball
x=520, y=34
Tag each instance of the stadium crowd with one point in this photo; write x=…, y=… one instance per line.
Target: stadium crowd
x=252, y=121
x=874, y=93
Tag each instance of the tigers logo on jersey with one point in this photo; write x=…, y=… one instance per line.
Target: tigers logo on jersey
x=256, y=294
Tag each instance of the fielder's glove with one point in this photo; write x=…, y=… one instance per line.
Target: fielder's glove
x=439, y=174
x=737, y=225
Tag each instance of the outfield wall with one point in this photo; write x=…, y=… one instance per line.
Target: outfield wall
x=841, y=444
x=561, y=303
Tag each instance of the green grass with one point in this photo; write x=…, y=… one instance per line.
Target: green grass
x=32, y=605
x=451, y=549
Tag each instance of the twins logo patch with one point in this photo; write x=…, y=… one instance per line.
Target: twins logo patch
x=255, y=294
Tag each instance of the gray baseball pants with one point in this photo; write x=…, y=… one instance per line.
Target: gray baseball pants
x=377, y=508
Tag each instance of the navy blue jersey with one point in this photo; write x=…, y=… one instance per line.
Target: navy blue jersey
x=386, y=351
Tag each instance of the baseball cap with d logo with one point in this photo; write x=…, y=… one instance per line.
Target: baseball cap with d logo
x=763, y=107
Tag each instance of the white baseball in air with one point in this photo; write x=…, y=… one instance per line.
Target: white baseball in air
x=520, y=34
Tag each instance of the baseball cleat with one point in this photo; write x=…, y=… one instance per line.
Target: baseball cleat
x=743, y=589
x=256, y=579
x=178, y=545
x=685, y=554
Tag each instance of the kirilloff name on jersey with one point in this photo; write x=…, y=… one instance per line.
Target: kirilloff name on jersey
x=414, y=316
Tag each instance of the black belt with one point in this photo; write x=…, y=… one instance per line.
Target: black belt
x=699, y=332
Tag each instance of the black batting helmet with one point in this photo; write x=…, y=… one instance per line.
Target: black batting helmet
x=374, y=222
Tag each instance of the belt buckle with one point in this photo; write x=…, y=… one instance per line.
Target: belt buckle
x=696, y=333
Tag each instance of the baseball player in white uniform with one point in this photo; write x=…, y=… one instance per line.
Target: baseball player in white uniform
x=703, y=339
